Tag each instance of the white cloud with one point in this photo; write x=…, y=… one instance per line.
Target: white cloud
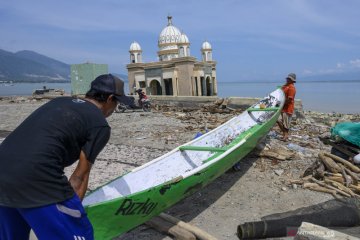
x=355, y=63
x=307, y=72
x=340, y=65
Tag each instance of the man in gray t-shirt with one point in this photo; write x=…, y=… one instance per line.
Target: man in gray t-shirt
x=33, y=187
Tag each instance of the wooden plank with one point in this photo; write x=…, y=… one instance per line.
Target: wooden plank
x=200, y=148
x=168, y=228
x=200, y=234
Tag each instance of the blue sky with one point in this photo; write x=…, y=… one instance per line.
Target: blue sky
x=251, y=39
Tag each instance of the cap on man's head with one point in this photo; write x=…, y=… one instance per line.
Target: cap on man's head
x=291, y=76
x=108, y=83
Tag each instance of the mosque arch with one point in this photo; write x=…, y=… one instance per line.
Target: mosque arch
x=203, y=86
x=132, y=58
x=155, y=87
x=168, y=85
x=209, y=91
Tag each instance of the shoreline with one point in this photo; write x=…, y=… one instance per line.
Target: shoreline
x=233, y=102
x=321, y=96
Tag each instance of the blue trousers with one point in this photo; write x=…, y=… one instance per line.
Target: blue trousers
x=60, y=221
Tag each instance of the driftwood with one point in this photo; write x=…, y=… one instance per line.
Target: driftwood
x=168, y=228
x=340, y=187
x=296, y=181
x=332, y=174
x=348, y=179
x=329, y=163
x=200, y=234
x=331, y=187
x=355, y=177
x=275, y=154
x=355, y=188
x=348, y=164
x=335, y=178
x=317, y=169
x=272, y=155
x=316, y=187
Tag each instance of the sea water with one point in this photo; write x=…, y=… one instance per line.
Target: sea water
x=331, y=96
x=321, y=96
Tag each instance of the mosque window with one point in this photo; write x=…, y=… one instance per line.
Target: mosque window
x=182, y=52
x=132, y=58
x=142, y=84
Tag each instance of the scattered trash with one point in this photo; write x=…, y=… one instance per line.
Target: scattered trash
x=295, y=147
x=272, y=134
x=357, y=159
x=279, y=172
x=236, y=167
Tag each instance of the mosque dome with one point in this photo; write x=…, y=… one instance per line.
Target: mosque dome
x=183, y=38
x=135, y=47
x=206, y=45
x=170, y=34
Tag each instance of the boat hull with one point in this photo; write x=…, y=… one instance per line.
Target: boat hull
x=118, y=216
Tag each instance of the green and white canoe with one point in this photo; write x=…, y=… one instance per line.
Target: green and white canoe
x=148, y=190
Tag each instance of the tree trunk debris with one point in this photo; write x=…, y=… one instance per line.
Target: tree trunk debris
x=170, y=225
x=165, y=227
x=332, y=174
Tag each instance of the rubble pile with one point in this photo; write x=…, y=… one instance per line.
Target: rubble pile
x=334, y=175
x=311, y=164
x=207, y=117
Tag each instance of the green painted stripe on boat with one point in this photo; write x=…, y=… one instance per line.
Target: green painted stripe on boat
x=199, y=148
x=262, y=109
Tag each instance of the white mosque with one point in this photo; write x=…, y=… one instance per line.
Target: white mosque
x=176, y=73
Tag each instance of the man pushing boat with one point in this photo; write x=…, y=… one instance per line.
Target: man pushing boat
x=34, y=192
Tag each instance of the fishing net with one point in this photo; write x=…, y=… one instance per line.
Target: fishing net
x=349, y=131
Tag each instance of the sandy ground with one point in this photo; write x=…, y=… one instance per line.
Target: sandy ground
x=260, y=188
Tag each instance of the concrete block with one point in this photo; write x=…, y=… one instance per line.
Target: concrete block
x=309, y=231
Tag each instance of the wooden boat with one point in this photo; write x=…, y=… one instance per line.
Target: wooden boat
x=148, y=190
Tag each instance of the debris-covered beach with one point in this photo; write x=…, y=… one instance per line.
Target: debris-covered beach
x=264, y=184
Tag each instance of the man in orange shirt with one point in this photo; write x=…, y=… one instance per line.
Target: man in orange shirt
x=288, y=109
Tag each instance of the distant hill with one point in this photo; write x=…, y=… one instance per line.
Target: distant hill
x=29, y=66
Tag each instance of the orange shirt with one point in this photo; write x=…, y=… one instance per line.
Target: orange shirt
x=290, y=91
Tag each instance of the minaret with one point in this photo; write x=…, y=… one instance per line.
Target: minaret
x=135, y=53
x=206, y=52
x=184, y=46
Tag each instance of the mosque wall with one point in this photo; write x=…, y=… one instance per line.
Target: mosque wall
x=185, y=74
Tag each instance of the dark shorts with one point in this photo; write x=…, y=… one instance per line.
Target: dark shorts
x=64, y=220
